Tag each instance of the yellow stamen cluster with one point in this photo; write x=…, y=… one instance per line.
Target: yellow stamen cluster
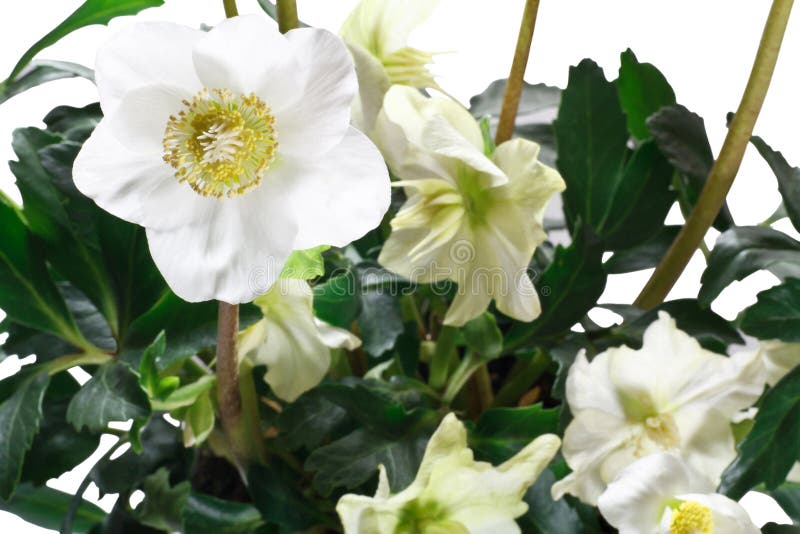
x=221, y=144
x=691, y=518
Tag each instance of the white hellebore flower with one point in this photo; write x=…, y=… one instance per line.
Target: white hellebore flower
x=452, y=493
x=660, y=494
x=779, y=359
x=293, y=344
x=671, y=395
x=472, y=218
x=232, y=148
x=377, y=34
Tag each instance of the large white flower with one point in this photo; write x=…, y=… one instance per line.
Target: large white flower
x=671, y=395
x=377, y=34
x=471, y=217
x=452, y=493
x=293, y=344
x=232, y=148
x=660, y=494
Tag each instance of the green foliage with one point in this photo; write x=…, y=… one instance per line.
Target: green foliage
x=482, y=335
x=39, y=72
x=773, y=445
x=163, y=505
x=208, y=515
x=788, y=179
x=501, y=433
x=643, y=90
x=776, y=313
x=46, y=508
x=112, y=394
x=305, y=264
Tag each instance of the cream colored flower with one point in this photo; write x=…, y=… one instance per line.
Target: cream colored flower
x=293, y=344
x=660, y=494
x=779, y=359
x=377, y=34
x=471, y=217
x=232, y=147
x=452, y=493
x=671, y=395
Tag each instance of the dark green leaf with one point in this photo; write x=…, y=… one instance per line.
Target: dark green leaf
x=538, y=106
x=46, y=508
x=27, y=294
x=39, y=72
x=380, y=322
x=546, y=516
x=73, y=124
x=90, y=12
x=148, y=370
x=309, y=420
x=24, y=341
x=591, y=135
x=643, y=256
x=161, y=447
x=788, y=497
x=788, y=178
x=502, y=432
x=569, y=288
x=88, y=318
x=208, y=515
x=773, y=445
x=20, y=415
x=775, y=528
x=337, y=301
x=278, y=499
x=643, y=90
x=163, y=503
x=744, y=250
x=112, y=394
x=776, y=313
x=483, y=336
x=681, y=137
x=58, y=447
x=641, y=200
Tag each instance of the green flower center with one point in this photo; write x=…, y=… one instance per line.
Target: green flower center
x=221, y=144
x=427, y=518
x=691, y=518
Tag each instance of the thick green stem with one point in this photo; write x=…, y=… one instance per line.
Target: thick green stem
x=508, y=112
x=471, y=363
x=230, y=8
x=483, y=386
x=442, y=357
x=727, y=164
x=287, y=15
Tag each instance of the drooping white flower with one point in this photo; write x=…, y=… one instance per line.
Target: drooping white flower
x=471, y=217
x=661, y=494
x=377, y=34
x=671, y=395
x=232, y=148
x=779, y=359
x=293, y=344
x=452, y=493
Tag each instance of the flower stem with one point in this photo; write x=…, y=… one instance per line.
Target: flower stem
x=442, y=357
x=727, y=165
x=471, y=363
x=521, y=378
x=230, y=8
x=508, y=112
x=228, y=396
x=287, y=15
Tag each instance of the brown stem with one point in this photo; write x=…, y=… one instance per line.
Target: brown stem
x=228, y=396
x=727, y=165
x=508, y=112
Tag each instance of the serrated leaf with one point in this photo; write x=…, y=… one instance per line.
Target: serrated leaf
x=39, y=72
x=643, y=90
x=776, y=313
x=788, y=179
x=380, y=322
x=309, y=420
x=278, y=499
x=744, y=250
x=46, y=508
x=773, y=445
x=163, y=503
x=20, y=415
x=591, y=135
x=112, y=394
x=90, y=12
x=500, y=433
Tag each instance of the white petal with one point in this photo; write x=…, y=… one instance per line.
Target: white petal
x=140, y=120
x=336, y=338
x=589, y=385
x=383, y=26
x=340, y=196
x=373, y=83
x=728, y=515
x=246, y=55
x=635, y=501
x=144, y=54
x=321, y=118
x=235, y=255
x=137, y=187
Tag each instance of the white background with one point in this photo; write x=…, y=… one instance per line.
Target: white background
x=705, y=49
